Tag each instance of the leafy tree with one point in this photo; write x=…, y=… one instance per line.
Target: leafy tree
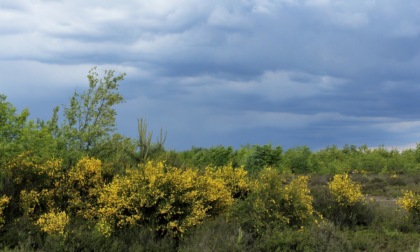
x=297, y=159
x=264, y=156
x=332, y=160
x=216, y=156
x=11, y=128
x=90, y=116
x=220, y=155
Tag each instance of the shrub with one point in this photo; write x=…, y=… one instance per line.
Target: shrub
x=342, y=202
x=410, y=201
x=82, y=187
x=345, y=191
x=235, y=179
x=275, y=201
x=169, y=199
x=4, y=200
x=53, y=223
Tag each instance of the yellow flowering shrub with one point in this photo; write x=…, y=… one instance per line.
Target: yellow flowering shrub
x=275, y=200
x=25, y=173
x=53, y=223
x=235, y=179
x=345, y=191
x=29, y=202
x=410, y=201
x=21, y=170
x=52, y=169
x=169, y=199
x=83, y=184
x=4, y=200
x=34, y=202
x=298, y=200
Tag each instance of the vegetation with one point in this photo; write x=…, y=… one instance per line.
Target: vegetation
x=80, y=186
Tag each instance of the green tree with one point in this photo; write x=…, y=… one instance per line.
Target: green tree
x=216, y=156
x=90, y=117
x=332, y=160
x=297, y=159
x=263, y=156
x=12, y=126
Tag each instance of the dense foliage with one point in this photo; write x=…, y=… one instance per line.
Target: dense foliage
x=73, y=184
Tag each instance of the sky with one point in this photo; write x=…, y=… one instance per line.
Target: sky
x=222, y=72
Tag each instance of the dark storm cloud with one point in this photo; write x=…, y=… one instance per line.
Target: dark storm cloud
x=290, y=72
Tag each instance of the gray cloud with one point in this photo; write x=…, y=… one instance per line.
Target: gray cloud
x=290, y=72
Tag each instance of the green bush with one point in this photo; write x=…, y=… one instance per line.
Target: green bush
x=325, y=203
x=275, y=200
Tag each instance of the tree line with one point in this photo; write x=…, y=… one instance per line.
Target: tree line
x=86, y=127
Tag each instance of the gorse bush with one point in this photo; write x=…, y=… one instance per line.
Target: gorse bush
x=169, y=199
x=275, y=200
x=82, y=186
x=4, y=200
x=410, y=201
x=345, y=191
x=235, y=179
x=53, y=223
x=341, y=201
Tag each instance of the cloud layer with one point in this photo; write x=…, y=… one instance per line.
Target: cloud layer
x=288, y=72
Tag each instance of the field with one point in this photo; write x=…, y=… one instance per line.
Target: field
x=76, y=185
x=158, y=208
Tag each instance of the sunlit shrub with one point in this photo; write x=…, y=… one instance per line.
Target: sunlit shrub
x=83, y=185
x=4, y=200
x=26, y=173
x=298, y=200
x=53, y=170
x=169, y=199
x=345, y=191
x=53, y=223
x=75, y=191
x=410, y=201
x=343, y=203
x=29, y=202
x=32, y=185
x=275, y=201
x=22, y=171
x=235, y=179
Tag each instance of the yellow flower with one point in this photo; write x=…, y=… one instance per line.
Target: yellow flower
x=4, y=200
x=53, y=223
x=177, y=199
x=410, y=201
x=345, y=191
